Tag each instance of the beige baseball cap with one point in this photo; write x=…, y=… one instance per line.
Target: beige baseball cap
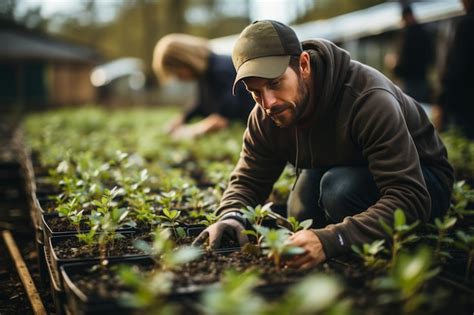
x=263, y=50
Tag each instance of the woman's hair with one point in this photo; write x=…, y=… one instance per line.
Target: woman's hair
x=174, y=51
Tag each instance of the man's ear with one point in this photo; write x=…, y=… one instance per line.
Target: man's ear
x=305, y=64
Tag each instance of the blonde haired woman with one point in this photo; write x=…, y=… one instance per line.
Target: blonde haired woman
x=189, y=58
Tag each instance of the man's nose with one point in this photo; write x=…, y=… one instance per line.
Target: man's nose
x=268, y=99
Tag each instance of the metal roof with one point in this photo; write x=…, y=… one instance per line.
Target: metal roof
x=371, y=21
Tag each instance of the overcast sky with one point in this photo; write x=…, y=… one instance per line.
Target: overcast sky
x=281, y=10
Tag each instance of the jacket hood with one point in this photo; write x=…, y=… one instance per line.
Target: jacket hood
x=330, y=65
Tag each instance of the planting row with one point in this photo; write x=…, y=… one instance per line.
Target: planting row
x=116, y=211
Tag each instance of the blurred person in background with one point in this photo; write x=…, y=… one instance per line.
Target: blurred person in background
x=415, y=55
x=189, y=58
x=456, y=99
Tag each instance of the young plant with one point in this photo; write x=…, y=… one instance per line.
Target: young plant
x=298, y=226
x=233, y=295
x=168, y=199
x=406, y=279
x=105, y=204
x=370, y=254
x=164, y=253
x=170, y=219
x=255, y=217
x=71, y=210
x=88, y=238
x=209, y=219
x=442, y=226
x=108, y=224
x=463, y=195
x=195, y=198
x=149, y=291
x=400, y=233
x=465, y=242
x=107, y=219
x=315, y=294
x=141, y=207
x=275, y=244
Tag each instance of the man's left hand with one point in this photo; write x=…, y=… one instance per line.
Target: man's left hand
x=314, y=254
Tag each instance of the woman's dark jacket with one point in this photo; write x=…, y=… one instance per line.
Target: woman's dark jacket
x=215, y=92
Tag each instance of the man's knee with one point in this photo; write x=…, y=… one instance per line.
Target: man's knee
x=342, y=194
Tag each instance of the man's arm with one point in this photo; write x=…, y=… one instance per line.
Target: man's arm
x=380, y=129
x=257, y=170
x=250, y=184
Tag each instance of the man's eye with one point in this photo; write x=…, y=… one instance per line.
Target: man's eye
x=274, y=84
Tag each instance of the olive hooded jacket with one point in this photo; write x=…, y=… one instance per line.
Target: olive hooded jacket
x=355, y=117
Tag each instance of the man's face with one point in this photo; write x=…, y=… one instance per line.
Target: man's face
x=283, y=98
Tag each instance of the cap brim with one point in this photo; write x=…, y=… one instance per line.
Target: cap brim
x=264, y=67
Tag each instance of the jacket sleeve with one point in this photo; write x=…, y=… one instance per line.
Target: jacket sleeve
x=256, y=171
x=379, y=128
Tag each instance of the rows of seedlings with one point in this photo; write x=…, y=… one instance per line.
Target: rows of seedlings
x=116, y=205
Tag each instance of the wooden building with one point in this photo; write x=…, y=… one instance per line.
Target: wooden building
x=38, y=71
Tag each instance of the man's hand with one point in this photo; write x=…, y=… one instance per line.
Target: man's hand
x=214, y=233
x=314, y=254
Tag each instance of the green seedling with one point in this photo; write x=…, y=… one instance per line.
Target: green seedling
x=105, y=204
x=168, y=199
x=255, y=217
x=465, y=242
x=406, y=279
x=234, y=295
x=195, y=198
x=401, y=233
x=142, y=208
x=441, y=239
x=71, y=210
x=276, y=245
x=88, y=238
x=370, y=253
x=106, y=219
x=298, y=226
x=209, y=219
x=108, y=225
x=315, y=294
x=164, y=252
x=149, y=290
x=463, y=195
x=170, y=219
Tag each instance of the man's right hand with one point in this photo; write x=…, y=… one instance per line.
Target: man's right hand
x=214, y=233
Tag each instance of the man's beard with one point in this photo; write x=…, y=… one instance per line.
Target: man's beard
x=288, y=114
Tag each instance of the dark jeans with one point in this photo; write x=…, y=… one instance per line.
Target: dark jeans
x=330, y=195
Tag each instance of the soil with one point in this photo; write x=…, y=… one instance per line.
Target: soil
x=13, y=298
x=192, y=276
x=210, y=267
x=62, y=224
x=71, y=247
